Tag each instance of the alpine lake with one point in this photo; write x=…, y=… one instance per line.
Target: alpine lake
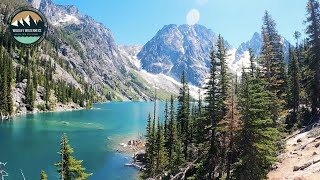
x=30, y=143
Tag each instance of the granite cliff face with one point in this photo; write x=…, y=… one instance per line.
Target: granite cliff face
x=91, y=51
x=176, y=48
x=256, y=44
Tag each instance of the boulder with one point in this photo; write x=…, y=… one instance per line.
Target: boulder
x=296, y=168
x=130, y=142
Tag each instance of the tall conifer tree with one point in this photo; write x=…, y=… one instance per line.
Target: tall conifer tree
x=69, y=167
x=313, y=30
x=183, y=113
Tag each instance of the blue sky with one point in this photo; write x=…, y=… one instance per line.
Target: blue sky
x=137, y=21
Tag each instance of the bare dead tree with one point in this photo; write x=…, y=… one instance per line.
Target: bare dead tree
x=22, y=174
x=155, y=102
x=62, y=178
x=3, y=173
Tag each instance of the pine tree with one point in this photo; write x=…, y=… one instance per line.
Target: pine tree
x=200, y=123
x=192, y=124
x=172, y=130
x=183, y=113
x=273, y=64
x=29, y=92
x=213, y=113
x=223, y=75
x=153, y=147
x=6, y=76
x=293, y=99
x=35, y=80
x=199, y=111
x=4, y=86
x=223, y=86
x=252, y=61
x=161, y=154
x=149, y=149
x=175, y=152
x=9, y=88
x=69, y=167
x=1, y=80
x=257, y=135
x=43, y=175
x=313, y=30
x=166, y=124
x=47, y=90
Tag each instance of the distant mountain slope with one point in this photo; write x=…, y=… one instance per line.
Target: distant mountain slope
x=91, y=51
x=39, y=80
x=176, y=48
x=88, y=46
x=256, y=44
x=163, y=82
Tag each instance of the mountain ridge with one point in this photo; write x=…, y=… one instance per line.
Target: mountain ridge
x=255, y=43
x=90, y=49
x=175, y=48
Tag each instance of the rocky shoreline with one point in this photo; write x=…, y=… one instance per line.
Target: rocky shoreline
x=60, y=108
x=20, y=107
x=137, y=149
x=133, y=146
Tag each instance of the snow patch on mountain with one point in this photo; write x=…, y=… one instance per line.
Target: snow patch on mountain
x=255, y=43
x=67, y=19
x=167, y=83
x=235, y=63
x=130, y=52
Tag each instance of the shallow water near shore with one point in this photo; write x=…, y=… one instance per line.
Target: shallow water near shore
x=31, y=142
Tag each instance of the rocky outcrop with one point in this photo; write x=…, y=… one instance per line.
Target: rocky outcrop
x=18, y=98
x=21, y=108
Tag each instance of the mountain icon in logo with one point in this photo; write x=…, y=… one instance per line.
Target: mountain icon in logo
x=26, y=22
x=27, y=26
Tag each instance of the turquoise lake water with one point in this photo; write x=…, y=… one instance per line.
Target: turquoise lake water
x=31, y=142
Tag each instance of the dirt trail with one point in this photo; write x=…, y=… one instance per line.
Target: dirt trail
x=301, y=159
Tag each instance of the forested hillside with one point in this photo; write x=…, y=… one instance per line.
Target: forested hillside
x=239, y=129
x=73, y=67
x=36, y=78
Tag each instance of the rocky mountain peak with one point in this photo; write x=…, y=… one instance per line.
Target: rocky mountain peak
x=256, y=44
x=179, y=47
x=89, y=47
x=58, y=15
